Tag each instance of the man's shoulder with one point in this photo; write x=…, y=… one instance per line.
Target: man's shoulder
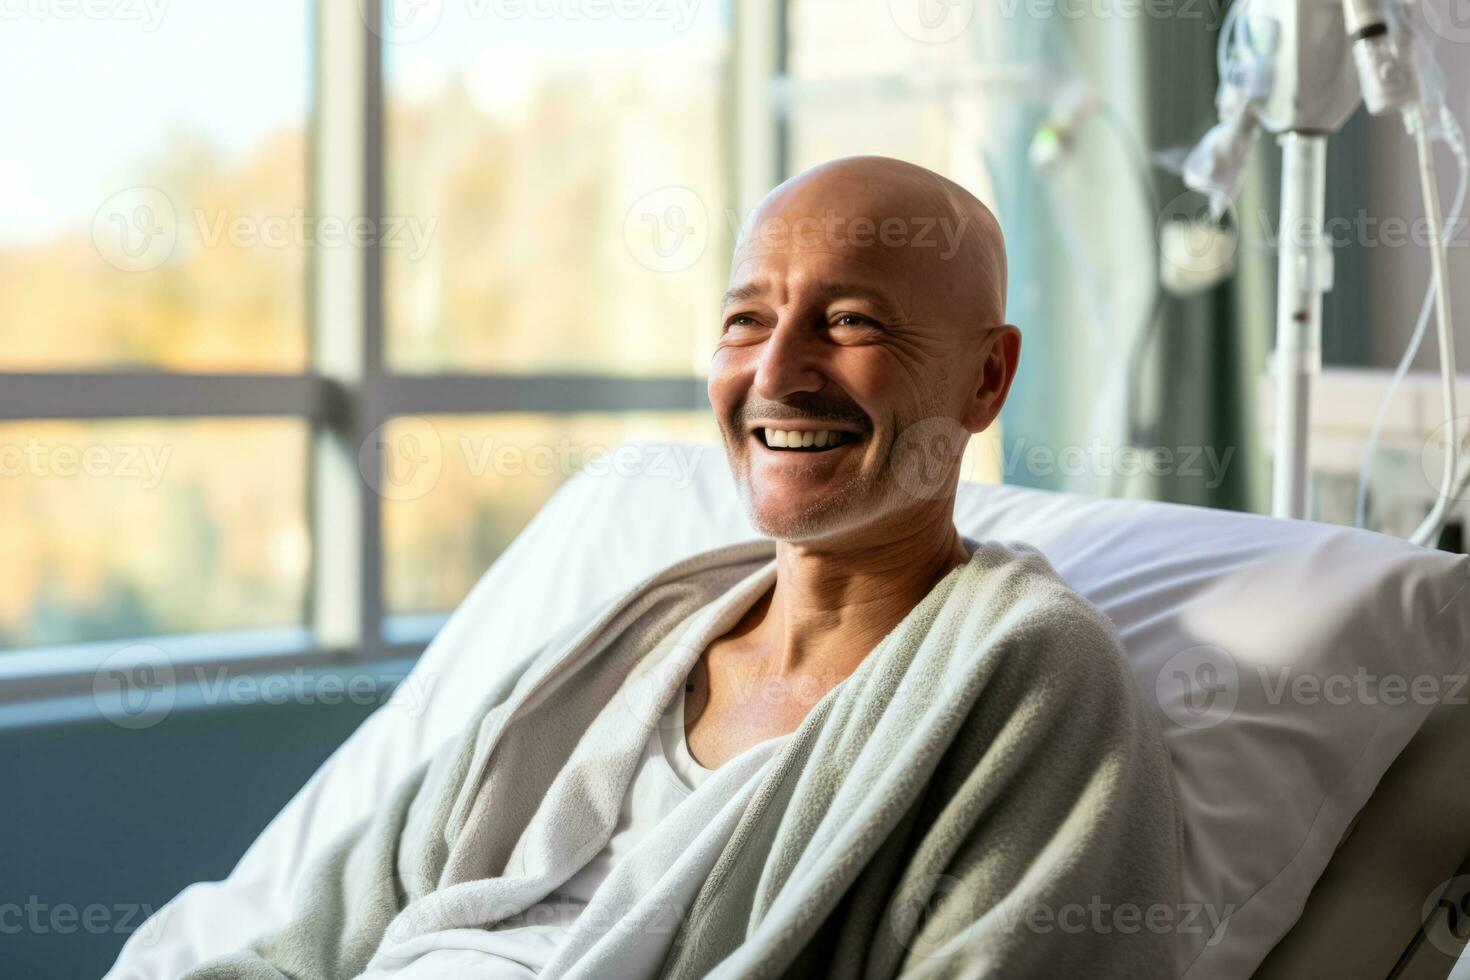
x=1018, y=574
x=1033, y=605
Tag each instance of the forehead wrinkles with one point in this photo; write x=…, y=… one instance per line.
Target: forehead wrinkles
x=913, y=248
x=783, y=278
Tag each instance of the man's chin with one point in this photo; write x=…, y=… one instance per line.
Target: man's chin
x=800, y=520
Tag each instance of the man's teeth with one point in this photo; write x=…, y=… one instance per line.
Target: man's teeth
x=793, y=439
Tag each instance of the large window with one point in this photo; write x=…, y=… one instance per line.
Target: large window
x=147, y=156
x=253, y=256
x=542, y=153
x=140, y=162
x=565, y=175
x=135, y=527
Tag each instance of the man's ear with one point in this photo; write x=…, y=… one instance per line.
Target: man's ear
x=1000, y=355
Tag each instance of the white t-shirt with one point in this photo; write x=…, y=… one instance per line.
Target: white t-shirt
x=666, y=776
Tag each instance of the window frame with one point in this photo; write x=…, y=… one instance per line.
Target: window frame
x=347, y=390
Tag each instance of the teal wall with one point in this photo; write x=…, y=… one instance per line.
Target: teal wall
x=94, y=814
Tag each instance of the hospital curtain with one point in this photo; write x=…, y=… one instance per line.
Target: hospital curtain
x=1195, y=395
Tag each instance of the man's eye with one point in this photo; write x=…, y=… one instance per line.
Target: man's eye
x=740, y=320
x=852, y=320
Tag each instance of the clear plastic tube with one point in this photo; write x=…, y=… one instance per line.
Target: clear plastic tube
x=1427, y=532
x=1454, y=138
x=1223, y=52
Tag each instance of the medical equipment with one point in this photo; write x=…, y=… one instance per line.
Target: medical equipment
x=1455, y=139
x=1298, y=68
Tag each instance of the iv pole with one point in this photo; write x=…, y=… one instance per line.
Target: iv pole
x=1314, y=91
x=1298, y=68
x=1304, y=273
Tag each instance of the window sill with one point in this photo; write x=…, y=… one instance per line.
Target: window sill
x=138, y=683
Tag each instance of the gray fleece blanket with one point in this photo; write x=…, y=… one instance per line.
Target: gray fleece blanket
x=985, y=796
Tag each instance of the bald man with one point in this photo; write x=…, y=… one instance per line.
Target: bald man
x=862, y=745
x=866, y=299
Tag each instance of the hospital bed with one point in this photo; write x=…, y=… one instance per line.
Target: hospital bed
x=1319, y=827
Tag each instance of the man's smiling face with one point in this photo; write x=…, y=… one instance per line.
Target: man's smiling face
x=864, y=298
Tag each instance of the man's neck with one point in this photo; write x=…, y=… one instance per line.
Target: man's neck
x=832, y=603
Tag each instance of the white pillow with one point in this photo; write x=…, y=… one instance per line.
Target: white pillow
x=1258, y=640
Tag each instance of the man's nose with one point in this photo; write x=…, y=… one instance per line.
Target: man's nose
x=790, y=361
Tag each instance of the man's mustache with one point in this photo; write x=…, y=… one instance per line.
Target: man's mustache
x=801, y=409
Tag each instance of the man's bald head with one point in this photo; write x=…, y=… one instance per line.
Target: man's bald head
x=866, y=204
x=865, y=320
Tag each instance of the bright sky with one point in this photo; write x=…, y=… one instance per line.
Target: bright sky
x=87, y=97
x=96, y=95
